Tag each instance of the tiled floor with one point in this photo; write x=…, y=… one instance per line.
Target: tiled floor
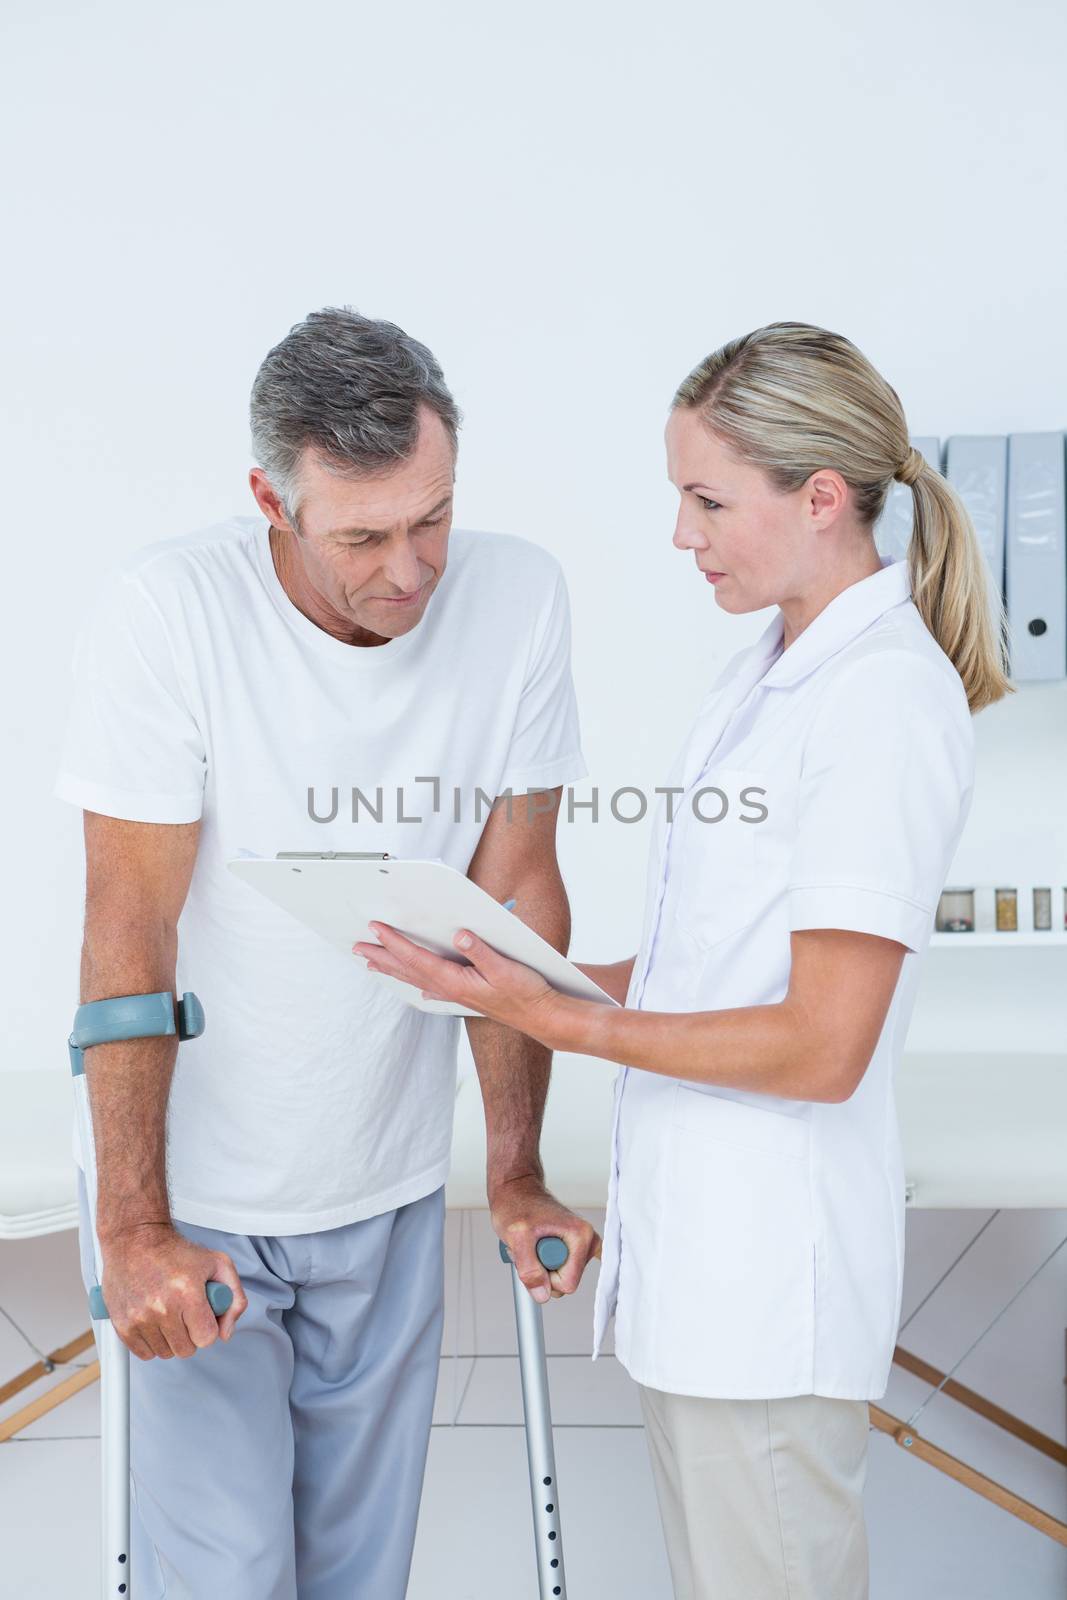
x=930, y=1539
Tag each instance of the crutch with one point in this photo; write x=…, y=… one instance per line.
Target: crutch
x=133, y=1016
x=537, y=1411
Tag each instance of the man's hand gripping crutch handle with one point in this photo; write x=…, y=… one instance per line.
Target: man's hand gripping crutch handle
x=219, y=1298
x=124, y=1017
x=551, y=1252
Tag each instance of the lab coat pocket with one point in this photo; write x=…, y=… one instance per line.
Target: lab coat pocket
x=751, y=1126
x=740, y=1239
x=720, y=889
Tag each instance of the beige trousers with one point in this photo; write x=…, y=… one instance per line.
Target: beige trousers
x=761, y=1499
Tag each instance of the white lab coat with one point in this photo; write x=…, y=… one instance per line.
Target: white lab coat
x=753, y=1245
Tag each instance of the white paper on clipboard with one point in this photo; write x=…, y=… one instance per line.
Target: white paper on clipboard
x=429, y=901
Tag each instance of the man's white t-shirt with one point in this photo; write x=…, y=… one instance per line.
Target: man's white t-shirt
x=315, y=1097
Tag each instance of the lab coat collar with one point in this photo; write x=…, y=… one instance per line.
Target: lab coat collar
x=837, y=624
x=765, y=664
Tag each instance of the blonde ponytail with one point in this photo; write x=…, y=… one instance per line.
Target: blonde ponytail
x=791, y=398
x=951, y=589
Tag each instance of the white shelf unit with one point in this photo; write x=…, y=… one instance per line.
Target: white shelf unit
x=1023, y=939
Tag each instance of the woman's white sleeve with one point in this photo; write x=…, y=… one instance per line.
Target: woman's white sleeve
x=885, y=788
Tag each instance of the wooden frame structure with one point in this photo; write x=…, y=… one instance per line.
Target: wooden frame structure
x=911, y=1441
x=81, y=1378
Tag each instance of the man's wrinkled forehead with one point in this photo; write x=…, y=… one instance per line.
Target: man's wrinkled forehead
x=400, y=520
x=406, y=495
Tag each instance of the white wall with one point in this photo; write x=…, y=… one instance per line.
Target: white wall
x=571, y=204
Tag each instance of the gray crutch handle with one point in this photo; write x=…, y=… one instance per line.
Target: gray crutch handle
x=551, y=1252
x=219, y=1298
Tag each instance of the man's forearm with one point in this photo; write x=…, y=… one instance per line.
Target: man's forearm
x=129, y=1080
x=513, y=1069
x=513, y=1072
x=613, y=978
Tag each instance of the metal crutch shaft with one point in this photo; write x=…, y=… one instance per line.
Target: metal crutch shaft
x=537, y=1411
x=141, y=1016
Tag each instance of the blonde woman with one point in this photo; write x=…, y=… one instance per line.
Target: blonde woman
x=753, y=1248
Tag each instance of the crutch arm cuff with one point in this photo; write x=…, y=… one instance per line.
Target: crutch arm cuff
x=132, y=1016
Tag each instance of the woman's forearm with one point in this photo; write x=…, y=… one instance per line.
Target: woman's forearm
x=614, y=978
x=768, y=1049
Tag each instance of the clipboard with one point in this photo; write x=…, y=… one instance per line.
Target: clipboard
x=338, y=894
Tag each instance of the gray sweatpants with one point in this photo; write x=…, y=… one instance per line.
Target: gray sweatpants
x=289, y=1461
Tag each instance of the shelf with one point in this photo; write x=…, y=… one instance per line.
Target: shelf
x=986, y=941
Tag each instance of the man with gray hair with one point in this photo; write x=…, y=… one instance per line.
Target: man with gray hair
x=341, y=671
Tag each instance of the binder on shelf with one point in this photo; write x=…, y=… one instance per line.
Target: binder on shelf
x=976, y=465
x=892, y=531
x=1036, y=558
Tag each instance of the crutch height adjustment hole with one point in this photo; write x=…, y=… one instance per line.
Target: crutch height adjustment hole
x=552, y=1535
x=554, y=1562
x=546, y=1481
x=121, y=1559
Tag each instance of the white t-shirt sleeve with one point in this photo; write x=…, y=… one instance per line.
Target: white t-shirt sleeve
x=885, y=787
x=133, y=747
x=545, y=747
